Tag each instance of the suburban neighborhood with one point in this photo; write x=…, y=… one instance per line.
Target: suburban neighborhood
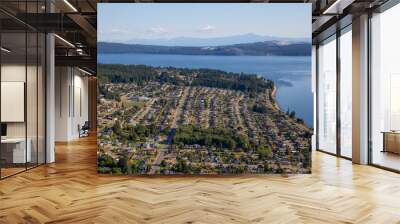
x=173, y=123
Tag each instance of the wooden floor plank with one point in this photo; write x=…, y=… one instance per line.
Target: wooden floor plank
x=70, y=191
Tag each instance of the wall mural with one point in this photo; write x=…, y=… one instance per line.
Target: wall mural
x=204, y=88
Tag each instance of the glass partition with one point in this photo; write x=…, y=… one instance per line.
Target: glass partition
x=327, y=95
x=22, y=88
x=13, y=94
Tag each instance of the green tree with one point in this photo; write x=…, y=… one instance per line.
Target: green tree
x=264, y=152
x=292, y=114
x=117, y=128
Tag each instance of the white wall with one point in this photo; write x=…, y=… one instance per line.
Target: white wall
x=61, y=103
x=80, y=112
x=33, y=126
x=71, y=94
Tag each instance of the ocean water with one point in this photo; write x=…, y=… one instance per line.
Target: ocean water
x=291, y=74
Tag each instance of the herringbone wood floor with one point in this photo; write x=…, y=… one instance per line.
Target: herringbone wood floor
x=70, y=191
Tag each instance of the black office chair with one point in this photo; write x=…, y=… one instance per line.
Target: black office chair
x=84, y=130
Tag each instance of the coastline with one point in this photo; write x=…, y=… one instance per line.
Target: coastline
x=273, y=95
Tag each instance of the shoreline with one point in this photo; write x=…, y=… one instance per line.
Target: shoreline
x=273, y=95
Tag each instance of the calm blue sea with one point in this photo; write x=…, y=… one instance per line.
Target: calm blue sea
x=293, y=70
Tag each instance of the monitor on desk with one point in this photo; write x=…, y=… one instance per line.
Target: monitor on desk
x=3, y=130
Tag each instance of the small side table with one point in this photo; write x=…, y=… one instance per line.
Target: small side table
x=391, y=141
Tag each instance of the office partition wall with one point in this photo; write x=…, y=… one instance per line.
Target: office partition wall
x=14, y=147
x=22, y=87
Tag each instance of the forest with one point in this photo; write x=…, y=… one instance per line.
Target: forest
x=142, y=74
x=262, y=48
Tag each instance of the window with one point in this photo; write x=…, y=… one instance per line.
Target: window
x=346, y=93
x=327, y=95
x=385, y=89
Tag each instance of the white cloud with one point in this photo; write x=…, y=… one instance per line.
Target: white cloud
x=207, y=28
x=157, y=30
x=115, y=32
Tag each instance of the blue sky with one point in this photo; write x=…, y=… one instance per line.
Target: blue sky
x=127, y=21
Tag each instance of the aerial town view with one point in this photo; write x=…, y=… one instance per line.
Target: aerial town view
x=167, y=120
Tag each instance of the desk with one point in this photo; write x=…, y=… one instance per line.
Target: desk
x=13, y=150
x=391, y=141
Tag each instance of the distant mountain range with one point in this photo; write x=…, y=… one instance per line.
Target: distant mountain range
x=278, y=48
x=215, y=41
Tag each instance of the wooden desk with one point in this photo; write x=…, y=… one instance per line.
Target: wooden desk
x=13, y=150
x=391, y=141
